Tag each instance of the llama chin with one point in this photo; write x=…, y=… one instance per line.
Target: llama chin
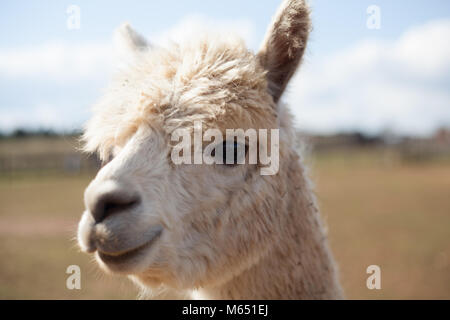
x=201, y=230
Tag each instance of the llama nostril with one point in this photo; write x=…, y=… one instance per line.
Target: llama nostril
x=110, y=203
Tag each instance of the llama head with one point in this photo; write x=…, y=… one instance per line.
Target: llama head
x=188, y=225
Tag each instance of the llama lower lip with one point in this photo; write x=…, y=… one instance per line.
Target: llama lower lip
x=128, y=255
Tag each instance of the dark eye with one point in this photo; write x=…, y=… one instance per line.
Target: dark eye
x=233, y=151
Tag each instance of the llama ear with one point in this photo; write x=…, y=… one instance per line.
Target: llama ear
x=284, y=44
x=128, y=40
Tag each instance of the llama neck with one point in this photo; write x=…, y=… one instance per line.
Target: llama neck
x=299, y=266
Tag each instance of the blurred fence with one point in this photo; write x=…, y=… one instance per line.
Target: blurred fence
x=59, y=154
x=39, y=155
x=404, y=149
x=71, y=163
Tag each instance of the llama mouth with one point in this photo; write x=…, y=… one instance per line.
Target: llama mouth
x=118, y=258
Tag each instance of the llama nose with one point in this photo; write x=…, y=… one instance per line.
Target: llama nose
x=110, y=203
x=103, y=202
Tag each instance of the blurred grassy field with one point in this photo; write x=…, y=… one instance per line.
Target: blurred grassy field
x=378, y=212
x=389, y=214
x=38, y=219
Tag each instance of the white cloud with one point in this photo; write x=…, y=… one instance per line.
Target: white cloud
x=55, y=61
x=189, y=27
x=400, y=85
x=65, y=67
x=193, y=25
x=65, y=61
x=42, y=116
x=425, y=50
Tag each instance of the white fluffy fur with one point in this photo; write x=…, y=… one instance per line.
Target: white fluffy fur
x=227, y=232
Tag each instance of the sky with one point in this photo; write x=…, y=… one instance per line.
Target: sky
x=365, y=70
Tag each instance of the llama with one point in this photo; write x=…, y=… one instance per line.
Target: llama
x=205, y=231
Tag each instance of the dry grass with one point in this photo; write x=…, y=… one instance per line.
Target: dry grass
x=378, y=212
x=38, y=145
x=38, y=218
x=391, y=215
